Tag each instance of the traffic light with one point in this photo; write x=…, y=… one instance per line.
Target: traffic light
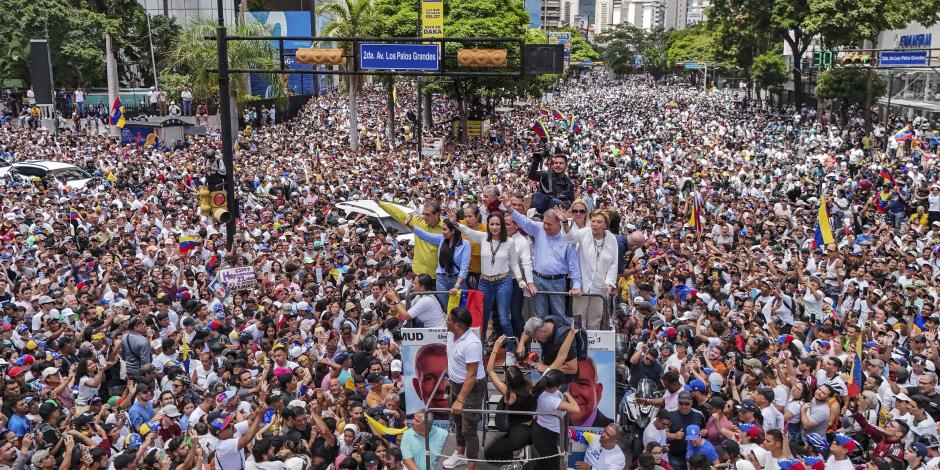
x=482, y=58
x=215, y=203
x=855, y=59
x=317, y=56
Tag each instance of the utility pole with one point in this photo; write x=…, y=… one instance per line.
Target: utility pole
x=225, y=118
x=153, y=58
x=419, y=126
x=313, y=31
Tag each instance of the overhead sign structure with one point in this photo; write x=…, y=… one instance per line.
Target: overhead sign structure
x=693, y=65
x=902, y=59
x=392, y=56
x=432, y=18
x=563, y=38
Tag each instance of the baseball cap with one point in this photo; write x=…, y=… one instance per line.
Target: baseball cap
x=133, y=440
x=49, y=371
x=716, y=402
x=929, y=441
x=171, y=411
x=696, y=386
x=791, y=464
x=222, y=422
x=684, y=397
x=903, y=397
x=846, y=441
x=749, y=405
x=752, y=430
x=692, y=432
x=395, y=366
x=369, y=458
x=39, y=455
x=15, y=371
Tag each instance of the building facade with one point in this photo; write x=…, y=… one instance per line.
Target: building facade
x=187, y=11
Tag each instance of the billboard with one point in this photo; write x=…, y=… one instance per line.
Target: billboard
x=534, y=9
x=290, y=23
x=594, y=390
x=432, y=18
x=581, y=24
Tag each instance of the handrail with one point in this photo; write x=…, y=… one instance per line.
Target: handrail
x=605, y=318
x=561, y=415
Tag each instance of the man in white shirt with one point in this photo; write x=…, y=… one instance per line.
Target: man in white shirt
x=773, y=418
x=656, y=430
x=603, y=453
x=464, y=355
x=233, y=437
x=839, y=450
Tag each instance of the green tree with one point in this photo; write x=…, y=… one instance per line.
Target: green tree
x=400, y=20
x=192, y=56
x=851, y=23
x=769, y=70
x=846, y=86
x=76, y=31
x=625, y=41
x=352, y=18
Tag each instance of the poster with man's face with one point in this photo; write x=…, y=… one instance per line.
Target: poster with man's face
x=595, y=387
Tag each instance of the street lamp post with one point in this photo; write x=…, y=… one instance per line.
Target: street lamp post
x=225, y=118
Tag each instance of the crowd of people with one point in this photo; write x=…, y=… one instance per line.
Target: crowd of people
x=774, y=276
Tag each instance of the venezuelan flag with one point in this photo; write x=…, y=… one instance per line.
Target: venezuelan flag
x=695, y=221
x=539, y=128
x=73, y=214
x=881, y=201
x=543, y=112
x=904, y=134
x=557, y=114
x=184, y=354
x=117, y=113
x=471, y=300
x=823, y=229
x=189, y=243
x=857, y=382
x=884, y=173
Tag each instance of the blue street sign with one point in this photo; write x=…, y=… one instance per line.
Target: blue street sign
x=391, y=56
x=587, y=63
x=694, y=66
x=902, y=58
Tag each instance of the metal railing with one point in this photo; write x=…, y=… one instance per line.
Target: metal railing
x=561, y=415
x=607, y=301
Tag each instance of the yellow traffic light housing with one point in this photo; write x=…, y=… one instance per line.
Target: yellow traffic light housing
x=205, y=205
x=482, y=58
x=855, y=59
x=218, y=202
x=318, y=56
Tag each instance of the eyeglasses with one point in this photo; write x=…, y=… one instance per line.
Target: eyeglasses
x=578, y=211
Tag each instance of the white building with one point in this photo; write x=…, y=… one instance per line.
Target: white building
x=695, y=11
x=603, y=15
x=644, y=14
x=914, y=90
x=676, y=14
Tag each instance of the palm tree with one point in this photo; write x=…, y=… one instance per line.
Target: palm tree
x=193, y=55
x=351, y=18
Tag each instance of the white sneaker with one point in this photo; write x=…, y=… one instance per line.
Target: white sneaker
x=454, y=461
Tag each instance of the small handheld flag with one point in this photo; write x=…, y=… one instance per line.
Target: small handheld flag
x=695, y=221
x=904, y=134
x=887, y=176
x=539, y=128
x=557, y=114
x=189, y=243
x=117, y=113
x=823, y=229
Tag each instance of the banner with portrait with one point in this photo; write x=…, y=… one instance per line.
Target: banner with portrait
x=595, y=389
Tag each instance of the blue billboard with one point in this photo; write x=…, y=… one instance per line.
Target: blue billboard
x=290, y=23
x=534, y=8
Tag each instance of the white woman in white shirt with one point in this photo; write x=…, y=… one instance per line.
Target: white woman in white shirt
x=523, y=289
x=598, y=256
x=499, y=266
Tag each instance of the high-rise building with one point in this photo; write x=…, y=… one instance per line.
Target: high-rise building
x=696, y=11
x=644, y=14
x=603, y=15
x=569, y=10
x=552, y=14
x=676, y=13
x=187, y=11
x=586, y=8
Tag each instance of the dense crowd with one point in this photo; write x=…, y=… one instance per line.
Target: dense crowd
x=773, y=272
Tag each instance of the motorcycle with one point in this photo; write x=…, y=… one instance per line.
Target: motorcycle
x=634, y=415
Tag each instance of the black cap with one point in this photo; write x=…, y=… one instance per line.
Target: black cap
x=731, y=447
x=369, y=458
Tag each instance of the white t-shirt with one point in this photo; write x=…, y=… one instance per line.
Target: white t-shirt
x=600, y=458
x=773, y=419
x=549, y=401
x=651, y=434
x=428, y=311
x=462, y=351
x=85, y=393
x=764, y=458
x=227, y=454
x=833, y=464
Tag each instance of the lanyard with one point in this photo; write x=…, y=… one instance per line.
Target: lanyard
x=493, y=253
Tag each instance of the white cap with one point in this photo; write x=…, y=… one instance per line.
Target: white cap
x=49, y=371
x=299, y=403
x=903, y=397
x=395, y=366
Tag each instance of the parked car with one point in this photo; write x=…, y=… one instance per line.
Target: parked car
x=377, y=218
x=72, y=176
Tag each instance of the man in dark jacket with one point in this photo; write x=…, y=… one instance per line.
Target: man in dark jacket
x=555, y=187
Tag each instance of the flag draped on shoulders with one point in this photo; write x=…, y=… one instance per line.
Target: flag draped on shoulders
x=823, y=234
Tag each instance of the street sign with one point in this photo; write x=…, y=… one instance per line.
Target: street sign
x=693, y=65
x=902, y=58
x=393, y=56
x=558, y=37
x=432, y=146
x=586, y=63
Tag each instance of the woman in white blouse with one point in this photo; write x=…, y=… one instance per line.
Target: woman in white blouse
x=499, y=267
x=598, y=256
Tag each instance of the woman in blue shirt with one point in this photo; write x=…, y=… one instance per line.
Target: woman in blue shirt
x=453, y=258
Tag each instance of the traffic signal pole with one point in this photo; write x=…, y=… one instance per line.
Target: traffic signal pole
x=225, y=117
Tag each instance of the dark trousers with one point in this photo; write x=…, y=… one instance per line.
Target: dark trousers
x=516, y=307
x=465, y=424
x=546, y=443
x=518, y=436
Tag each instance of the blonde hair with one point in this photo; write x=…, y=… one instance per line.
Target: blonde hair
x=602, y=214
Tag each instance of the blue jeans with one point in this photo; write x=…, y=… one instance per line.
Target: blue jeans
x=546, y=305
x=498, y=293
x=81, y=108
x=187, y=107
x=446, y=282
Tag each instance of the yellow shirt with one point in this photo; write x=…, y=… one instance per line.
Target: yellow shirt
x=475, y=250
x=425, y=261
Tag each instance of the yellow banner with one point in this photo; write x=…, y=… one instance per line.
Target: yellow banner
x=432, y=18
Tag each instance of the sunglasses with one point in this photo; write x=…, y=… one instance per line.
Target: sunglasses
x=578, y=211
